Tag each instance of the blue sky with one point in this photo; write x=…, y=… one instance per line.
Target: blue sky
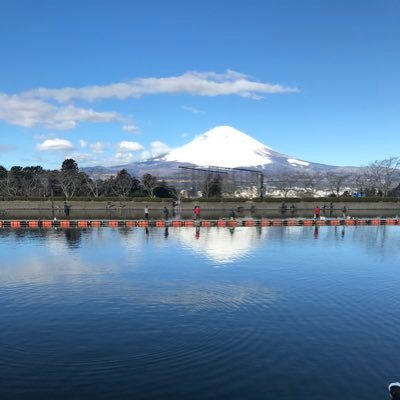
x=108, y=82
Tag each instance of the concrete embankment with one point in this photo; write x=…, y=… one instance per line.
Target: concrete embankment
x=125, y=210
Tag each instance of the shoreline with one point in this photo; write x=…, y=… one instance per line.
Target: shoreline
x=202, y=223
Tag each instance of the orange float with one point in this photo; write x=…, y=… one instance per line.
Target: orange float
x=292, y=222
x=205, y=223
x=95, y=224
x=33, y=224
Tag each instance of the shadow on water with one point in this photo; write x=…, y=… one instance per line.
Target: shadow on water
x=73, y=237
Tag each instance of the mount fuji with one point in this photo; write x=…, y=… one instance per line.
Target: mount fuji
x=222, y=146
x=227, y=147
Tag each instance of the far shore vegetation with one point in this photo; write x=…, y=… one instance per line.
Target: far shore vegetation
x=379, y=180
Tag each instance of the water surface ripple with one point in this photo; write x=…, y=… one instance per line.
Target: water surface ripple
x=263, y=313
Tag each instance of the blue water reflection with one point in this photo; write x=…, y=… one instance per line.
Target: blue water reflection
x=255, y=313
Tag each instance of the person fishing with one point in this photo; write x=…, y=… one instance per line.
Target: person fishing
x=67, y=209
x=196, y=212
x=166, y=213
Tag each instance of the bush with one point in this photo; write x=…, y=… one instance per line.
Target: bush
x=215, y=200
x=277, y=200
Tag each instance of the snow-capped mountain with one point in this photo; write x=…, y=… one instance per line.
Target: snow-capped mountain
x=222, y=146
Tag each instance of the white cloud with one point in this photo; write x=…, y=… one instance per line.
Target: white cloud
x=125, y=146
x=55, y=145
x=31, y=112
x=43, y=136
x=37, y=107
x=86, y=158
x=98, y=147
x=145, y=155
x=130, y=128
x=193, y=110
x=192, y=82
x=159, y=148
x=122, y=158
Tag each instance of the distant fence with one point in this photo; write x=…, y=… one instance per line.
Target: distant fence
x=208, y=211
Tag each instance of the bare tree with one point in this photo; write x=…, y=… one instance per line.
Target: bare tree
x=285, y=183
x=13, y=181
x=337, y=181
x=31, y=182
x=3, y=180
x=212, y=186
x=149, y=183
x=123, y=183
x=310, y=181
x=69, y=177
x=94, y=186
x=383, y=175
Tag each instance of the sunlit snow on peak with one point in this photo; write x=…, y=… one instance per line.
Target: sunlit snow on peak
x=295, y=162
x=222, y=146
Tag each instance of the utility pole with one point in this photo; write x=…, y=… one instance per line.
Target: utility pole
x=260, y=179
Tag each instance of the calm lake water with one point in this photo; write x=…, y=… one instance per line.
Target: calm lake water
x=251, y=313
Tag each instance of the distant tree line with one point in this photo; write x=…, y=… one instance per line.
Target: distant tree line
x=378, y=179
x=69, y=182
